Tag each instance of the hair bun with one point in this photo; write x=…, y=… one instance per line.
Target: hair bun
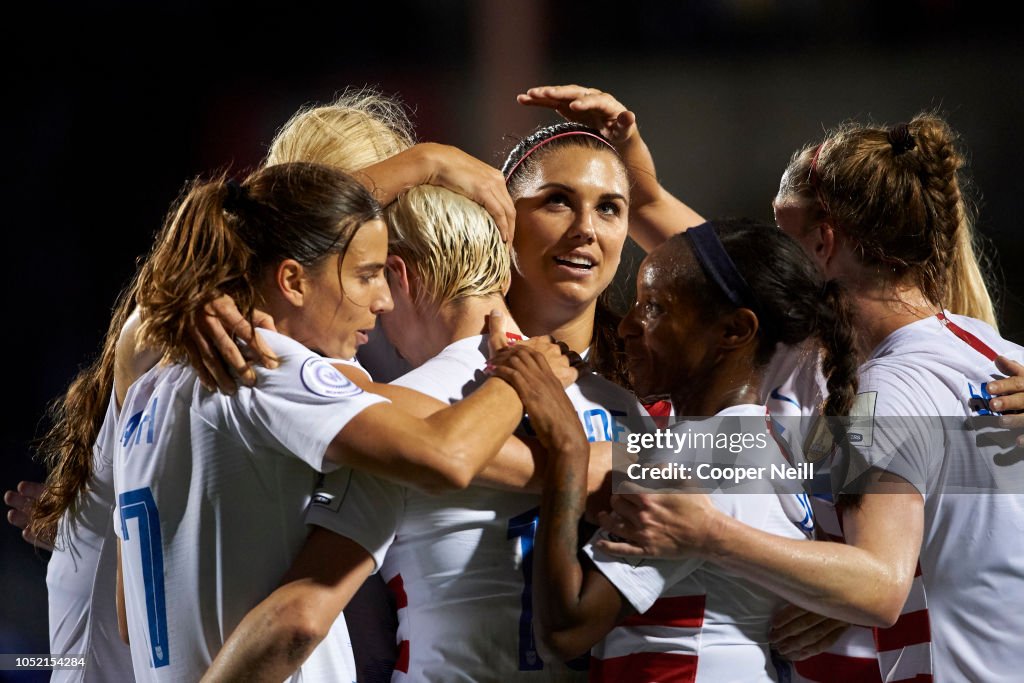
x=901, y=139
x=236, y=194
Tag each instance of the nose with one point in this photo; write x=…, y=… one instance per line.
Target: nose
x=583, y=227
x=629, y=326
x=382, y=301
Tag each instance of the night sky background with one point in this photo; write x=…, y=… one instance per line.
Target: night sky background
x=111, y=107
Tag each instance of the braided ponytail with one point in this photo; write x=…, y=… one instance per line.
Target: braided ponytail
x=839, y=361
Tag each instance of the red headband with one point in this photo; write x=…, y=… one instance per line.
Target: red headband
x=555, y=137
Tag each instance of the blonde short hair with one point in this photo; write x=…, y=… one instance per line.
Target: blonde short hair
x=452, y=242
x=358, y=129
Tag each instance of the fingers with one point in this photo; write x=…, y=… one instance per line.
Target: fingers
x=816, y=639
x=792, y=621
x=496, y=324
x=262, y=353
x=212, y=373
x=465, y=174
x=1010, y=391
x=1008, y=366
x=498, y=202
x=588, y=106
x=620, y=549
x=263, y=320
x=21, y=503
x=228, y=326
x=17, y=518
x=21, y=508
x=225, y=350
x=31, y=489
x=786, y=615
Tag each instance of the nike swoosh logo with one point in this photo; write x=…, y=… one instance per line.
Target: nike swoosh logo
x=779, y=397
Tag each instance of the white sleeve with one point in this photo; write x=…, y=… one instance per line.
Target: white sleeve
x=641, y=582
x=893, y=428
x=299, y=407
x=361, y=507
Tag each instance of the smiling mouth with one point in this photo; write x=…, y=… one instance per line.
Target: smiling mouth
x=579, y=262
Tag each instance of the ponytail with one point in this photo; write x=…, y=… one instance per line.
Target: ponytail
x=197, y=255
x=839, y=362
x=75, y=419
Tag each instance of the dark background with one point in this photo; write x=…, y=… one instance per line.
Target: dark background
x=110, y=108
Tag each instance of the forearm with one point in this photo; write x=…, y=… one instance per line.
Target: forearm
x=834, y=579
x=389, y=178
x=280, y=633
x=473, y=430
x=518, y=466
x=654, y=213
x=563, y=620
x=521, y=463
x=271, y=642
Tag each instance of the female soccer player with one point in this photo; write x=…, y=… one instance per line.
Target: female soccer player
x=881, y=210
x=78, y=496
x=459, y=563
x=211, y=488
x=712, y=305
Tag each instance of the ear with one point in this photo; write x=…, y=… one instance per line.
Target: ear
x=739, y=329
x=398, y=274
x=824, y=243
x=291, y=281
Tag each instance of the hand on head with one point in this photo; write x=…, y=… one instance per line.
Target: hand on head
x=460, y=172
x=589, y=106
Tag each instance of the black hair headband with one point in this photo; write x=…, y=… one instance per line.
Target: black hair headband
x=719, y=266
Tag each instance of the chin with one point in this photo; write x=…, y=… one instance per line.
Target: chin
x=575, y=295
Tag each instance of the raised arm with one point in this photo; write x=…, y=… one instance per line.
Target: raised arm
x=654, y=213
x=429, y=163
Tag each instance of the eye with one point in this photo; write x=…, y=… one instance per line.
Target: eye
x=609, y=208
x=558, y=199
x=369, y=278
x=651, y=309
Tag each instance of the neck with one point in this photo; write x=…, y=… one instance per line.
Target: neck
x=731, y=382
x=880, y=311
x=572, y=325
x=458, y=320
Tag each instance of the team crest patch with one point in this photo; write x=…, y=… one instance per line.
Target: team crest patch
x=323, y=379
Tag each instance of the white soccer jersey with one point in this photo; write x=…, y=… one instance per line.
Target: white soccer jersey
x=211, y=493
x=696, y=622
x=795, y=389
x=460, y=564
x=81, y=577
x=959, y=622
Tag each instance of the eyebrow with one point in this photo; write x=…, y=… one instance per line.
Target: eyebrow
x=571, y=190
x=369, y=267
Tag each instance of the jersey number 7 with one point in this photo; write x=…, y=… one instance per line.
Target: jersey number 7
x=139, y=504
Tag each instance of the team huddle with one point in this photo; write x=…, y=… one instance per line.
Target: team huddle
x=355, y=415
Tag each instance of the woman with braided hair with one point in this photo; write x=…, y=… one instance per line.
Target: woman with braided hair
x=713, y=305
x=881, y=210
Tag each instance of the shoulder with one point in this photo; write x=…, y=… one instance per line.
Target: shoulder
x=593, y=388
